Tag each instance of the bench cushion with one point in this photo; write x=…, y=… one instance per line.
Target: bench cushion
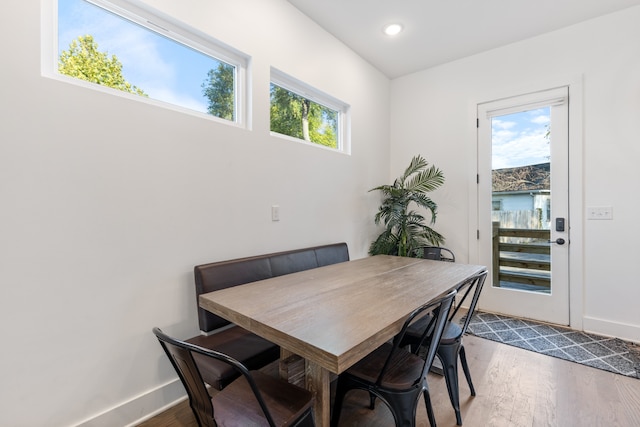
x=225, y=274
x=331, y=254
x=253, y=351
x=292, y=262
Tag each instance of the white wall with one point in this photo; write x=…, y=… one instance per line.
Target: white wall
x=108, y=203
x=433, y=113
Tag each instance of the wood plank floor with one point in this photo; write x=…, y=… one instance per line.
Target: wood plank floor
x=514, y=387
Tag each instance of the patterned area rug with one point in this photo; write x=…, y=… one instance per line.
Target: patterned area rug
x=609, y=354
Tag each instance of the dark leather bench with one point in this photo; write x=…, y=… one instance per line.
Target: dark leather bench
x=219, y=334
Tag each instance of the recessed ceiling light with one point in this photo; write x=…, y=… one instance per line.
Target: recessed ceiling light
x=392, y=29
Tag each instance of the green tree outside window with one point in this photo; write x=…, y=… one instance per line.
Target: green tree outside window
x=299, y=117
x=218, y=88
x=84, y=61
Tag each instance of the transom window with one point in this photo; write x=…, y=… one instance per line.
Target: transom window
x=113, y=44
x=306, y=114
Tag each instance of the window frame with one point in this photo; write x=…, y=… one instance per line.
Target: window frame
x=298, y=87
x=165, y=26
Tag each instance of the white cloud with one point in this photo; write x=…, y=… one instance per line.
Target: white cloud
x=503, y=124
x=518, y=139
x=519, y=149
x=541, y=119
x=136, y=48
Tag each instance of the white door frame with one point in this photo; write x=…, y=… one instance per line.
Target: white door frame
x=552, y=307
x=576, y=202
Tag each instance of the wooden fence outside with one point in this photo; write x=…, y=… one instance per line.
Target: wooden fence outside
x=519, y=219
x=522, y=255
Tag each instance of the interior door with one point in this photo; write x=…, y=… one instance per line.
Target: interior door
x=523, y=205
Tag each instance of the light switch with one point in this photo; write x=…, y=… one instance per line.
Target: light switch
x=600, y=212
x=275, y=213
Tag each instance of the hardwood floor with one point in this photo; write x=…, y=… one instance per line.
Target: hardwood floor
x=514, y=387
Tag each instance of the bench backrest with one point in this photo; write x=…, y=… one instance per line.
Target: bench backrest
x=225, y=274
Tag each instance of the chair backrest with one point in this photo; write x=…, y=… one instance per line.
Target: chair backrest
x=431, y=333
x=437, y=253
x=180, y=354
x=472, y=287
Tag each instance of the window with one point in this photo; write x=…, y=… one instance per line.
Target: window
x=114, y=44
x=302, y=112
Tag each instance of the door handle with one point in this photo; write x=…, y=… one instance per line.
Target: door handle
x=559, y=241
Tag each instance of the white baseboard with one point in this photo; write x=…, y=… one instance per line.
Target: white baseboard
x=140, y=408
x=611, y=329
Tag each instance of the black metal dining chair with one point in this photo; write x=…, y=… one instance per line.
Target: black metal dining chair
x=396, y=375
x=451, y=347
x=254, y=399
x=438, y=253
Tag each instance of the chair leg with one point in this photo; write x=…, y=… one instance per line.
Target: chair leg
x=306, y=421
x=449, y=357
x=403, y=407
x=465, y=368
x=341, y=390
x=372, y=401
x=427, y=402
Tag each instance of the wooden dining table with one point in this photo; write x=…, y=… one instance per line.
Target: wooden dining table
x=334, y=316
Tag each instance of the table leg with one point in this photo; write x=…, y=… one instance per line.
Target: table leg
x=292, y=368
x=317, y=381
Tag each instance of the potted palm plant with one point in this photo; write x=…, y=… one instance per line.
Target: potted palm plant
x=406, y=230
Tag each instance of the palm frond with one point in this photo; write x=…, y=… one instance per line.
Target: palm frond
x=385, y=244
x=426, y=180
x=404, y=229
x=417, y=164
x=425, y=202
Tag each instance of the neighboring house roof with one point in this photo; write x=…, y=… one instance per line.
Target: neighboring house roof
x=522, y=178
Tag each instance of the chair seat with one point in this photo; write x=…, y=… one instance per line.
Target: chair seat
x=405, y=368
x=236, y=405
x=452, y=331
x=253, y=351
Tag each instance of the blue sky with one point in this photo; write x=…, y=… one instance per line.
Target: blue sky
x=519, y=139
x=163, y=68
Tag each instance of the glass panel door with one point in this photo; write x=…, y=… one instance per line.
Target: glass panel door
x=523, y=205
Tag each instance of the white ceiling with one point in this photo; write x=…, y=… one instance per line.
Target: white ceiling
x=439, y=31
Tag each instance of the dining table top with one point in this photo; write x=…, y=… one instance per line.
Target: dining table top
x=337, y=314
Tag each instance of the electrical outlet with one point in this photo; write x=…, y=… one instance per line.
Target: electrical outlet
x=600, y=212
x=275, y=213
